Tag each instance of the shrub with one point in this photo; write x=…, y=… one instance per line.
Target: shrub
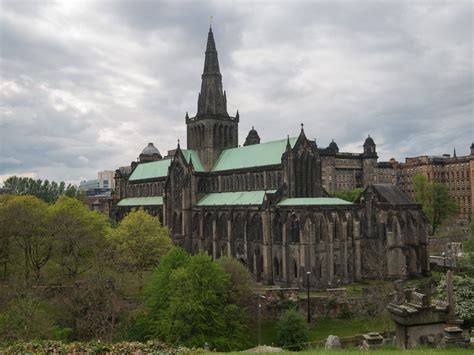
x=292, y=330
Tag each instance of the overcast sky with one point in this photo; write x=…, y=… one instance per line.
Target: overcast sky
x=85, y=85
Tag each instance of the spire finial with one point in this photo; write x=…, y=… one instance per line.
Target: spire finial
x=302, y=127
x=253, y=127
x=210, y=23
x=178, y=143
x=454, y=153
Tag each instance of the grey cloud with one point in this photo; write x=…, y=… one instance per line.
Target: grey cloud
x=87, y=85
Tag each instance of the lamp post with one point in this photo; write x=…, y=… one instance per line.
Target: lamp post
x=307, y=287
x=260, y=297
x=444, y=261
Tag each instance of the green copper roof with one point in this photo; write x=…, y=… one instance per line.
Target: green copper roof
x=302, y=201
x=233, y=198
x=252, y=155
x=141, y=201
x=158, y=169
x=188, y=154
x=154, y=169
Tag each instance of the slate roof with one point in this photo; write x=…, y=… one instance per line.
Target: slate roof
x=392, y=194
x=234, y=198
x=141, y=201
x=252, y=155
x=313, y=201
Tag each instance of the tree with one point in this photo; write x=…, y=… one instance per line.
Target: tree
x=243, y=288
x=349, y=195
x=141, y=241
x=435, y=200
x=25, y=319
x=189, y=304
x=467, y=261
x=292, y=330
x=78, y=235
x=45, y=190
x=463, y=296
x=95, y=308
x=23, y=221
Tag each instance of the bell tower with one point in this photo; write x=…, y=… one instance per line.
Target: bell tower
x=211, y=130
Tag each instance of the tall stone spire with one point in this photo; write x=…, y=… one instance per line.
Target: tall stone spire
x=212, y=100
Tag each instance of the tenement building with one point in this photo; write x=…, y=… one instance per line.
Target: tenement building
x=453, y=171
x=267, y=203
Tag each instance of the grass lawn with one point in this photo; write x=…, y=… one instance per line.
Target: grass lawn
x=346, y=327
x=383, y=351
x=325, y=327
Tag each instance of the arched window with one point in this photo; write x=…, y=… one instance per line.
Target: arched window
x=276, y=266
x=239, y=227
x=208, y=232
x=222, y=227
x=226, y=134
x=277, y=227
x=196, y=226
x=256, y=233
x=176, y=223
x=295, y=269
x=295, y=229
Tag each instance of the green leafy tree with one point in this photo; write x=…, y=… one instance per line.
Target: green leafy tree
x=45, y=190
x=141, y=241
x=23, y=226
x=463, y=296
x=25, y=319
x=435, y=200
x=349, y=195
x=192, y=304
x=292, y=330
x=78, y=235
x=467, y=261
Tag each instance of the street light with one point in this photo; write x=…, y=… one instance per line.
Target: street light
x=444, y=261
x=260, y=297
x=307, y=286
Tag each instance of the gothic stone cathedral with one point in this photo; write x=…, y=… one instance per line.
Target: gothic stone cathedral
x=265, y=203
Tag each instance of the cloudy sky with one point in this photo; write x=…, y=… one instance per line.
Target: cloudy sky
x=85, y=85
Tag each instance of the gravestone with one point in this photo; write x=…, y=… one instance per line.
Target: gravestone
x=333, y=342
x=372, y=340
x=453, y=334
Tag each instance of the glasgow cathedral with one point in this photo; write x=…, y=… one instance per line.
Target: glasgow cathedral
x=269, y=204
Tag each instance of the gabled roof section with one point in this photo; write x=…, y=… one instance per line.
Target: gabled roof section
x=159, y=169
x=313, y=201
x=153, y=170
x=391, y=194
x=141, y=201
x=252, y=155
x=189, y=155
x=234, y=198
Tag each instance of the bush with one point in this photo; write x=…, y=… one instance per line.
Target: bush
x=292, y=330
x=25, y=319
